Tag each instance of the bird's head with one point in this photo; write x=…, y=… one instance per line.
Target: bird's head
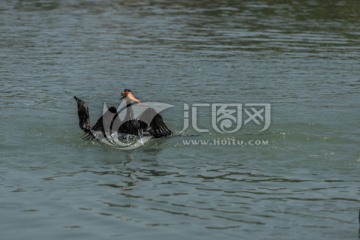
x=127, y=94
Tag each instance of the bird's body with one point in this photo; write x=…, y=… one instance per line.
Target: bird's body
x=148, y=122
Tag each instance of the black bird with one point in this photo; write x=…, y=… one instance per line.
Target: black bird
x=148, y=122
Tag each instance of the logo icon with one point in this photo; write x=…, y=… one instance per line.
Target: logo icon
x=259, y=113
x=226, y=118
x=113, y=119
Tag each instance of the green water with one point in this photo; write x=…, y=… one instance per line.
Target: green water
x=302, y=57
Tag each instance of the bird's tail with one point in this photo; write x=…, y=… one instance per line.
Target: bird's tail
x=83, y=113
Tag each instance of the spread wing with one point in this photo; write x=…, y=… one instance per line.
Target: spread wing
x=154, y=123
x=102, y=127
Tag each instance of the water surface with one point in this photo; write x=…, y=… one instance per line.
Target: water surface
x=302, y=57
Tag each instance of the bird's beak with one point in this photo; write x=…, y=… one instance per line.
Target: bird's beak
x=130, y=96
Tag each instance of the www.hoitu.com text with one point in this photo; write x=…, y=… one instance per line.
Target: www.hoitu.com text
x=225, y=142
